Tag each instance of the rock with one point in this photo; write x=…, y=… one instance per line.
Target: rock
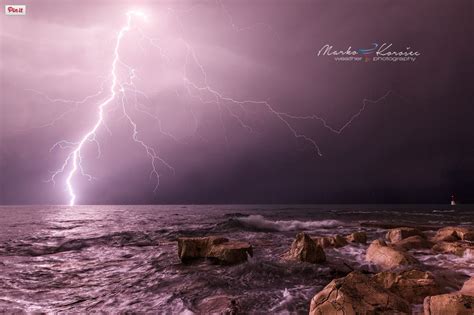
x=356, y=294
x=219, y=304
x=197, y=247
x=413, y=242
x=230, y=252
x=357, y=237
x=452, y=234
x=411, y=285
x=217, y=248
x=330, y=241
x=449, y=304
x=398, y=234
x=305, y=249
x=387, y=257
x=468, y=287
x=456, y=248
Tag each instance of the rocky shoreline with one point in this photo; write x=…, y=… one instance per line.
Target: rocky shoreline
x=399, y=283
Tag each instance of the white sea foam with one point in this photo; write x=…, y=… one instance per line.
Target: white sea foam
x=280, y=308
x=449, y=261
x=260, y=222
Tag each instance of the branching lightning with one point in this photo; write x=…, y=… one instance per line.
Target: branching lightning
x=202, y=91
x=74, y=158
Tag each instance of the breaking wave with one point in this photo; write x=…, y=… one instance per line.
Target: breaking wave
x=258, y=222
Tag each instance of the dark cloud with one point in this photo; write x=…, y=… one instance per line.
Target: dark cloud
x=415, y=145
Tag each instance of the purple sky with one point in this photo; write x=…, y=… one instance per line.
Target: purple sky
x=415, y=145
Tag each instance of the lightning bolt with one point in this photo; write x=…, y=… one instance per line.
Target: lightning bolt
x=202, y=91
x=74, y=158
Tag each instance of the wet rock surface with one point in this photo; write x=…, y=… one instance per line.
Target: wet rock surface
x=357, y=237
x=218, y=249
x=454, y=233
x=398, y=234
x=413, y=242
x=457, y=248
x=305, y=249
x=468, y=287
x=356, y=294
x=411, y=285
x=387, y=257
x=219, y=304
x=330, y=241
x=449, y=304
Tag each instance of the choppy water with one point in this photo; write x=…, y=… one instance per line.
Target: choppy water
x=124, y=258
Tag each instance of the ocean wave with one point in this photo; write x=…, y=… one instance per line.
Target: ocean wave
x=117, y=239
x=258, y=222
x=443, y=211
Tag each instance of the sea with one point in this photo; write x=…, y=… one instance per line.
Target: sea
x=123, y=259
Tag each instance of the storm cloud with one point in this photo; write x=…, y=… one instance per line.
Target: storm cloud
x=414, y=145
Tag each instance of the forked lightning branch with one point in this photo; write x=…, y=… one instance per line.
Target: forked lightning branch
x=73, y=166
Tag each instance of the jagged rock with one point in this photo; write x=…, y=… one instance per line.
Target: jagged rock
x=214, y=247
x=357, y=237
x=398, y=234
x=330, y=241
x=412, y=285
x=453, y=233
x=219, y=304
x=456, y=248
x=413, y=242
x=387, y=257
x=356, y=294
x=449, y=304
x=305, y=249
x=468, y=287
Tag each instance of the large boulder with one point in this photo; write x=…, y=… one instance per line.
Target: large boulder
x=356, y=294
x=468, y=287
x=453, y=233
x=230, y=252
x=217, y=248
x=456, y=248
x=197, y=247
x=305, y=249
x=398, y=234
x=412, y=285
x=449, y=304
x=330, y=241
x=387, y=257
x=413, y=242
x=357, y=237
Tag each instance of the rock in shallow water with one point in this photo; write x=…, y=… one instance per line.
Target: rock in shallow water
x=216, y=248
x=412, y=285
x=305, y=249
x=230, y=252
x=468, y=287
x=413, y=242
x=449, y=304
x=357, y=237
x=398, y=234
x=387, y=257
x=219, y=304
x=453, y=233
x=330, y=241
x=456, y=248
x=356, y=294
